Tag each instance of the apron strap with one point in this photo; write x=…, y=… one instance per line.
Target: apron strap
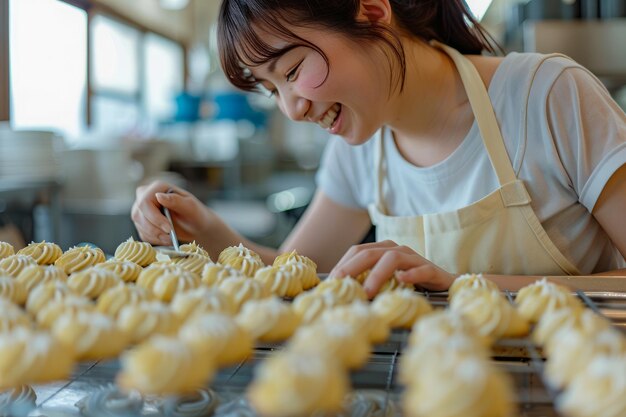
x=379, y=161
x=485, y=117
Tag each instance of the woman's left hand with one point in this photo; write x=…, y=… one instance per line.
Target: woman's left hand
x=385, y=258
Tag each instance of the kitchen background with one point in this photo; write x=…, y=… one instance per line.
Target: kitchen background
x=99, y=96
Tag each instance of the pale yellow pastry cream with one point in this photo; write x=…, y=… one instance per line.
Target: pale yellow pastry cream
x=93, y=335
x=573, y=351
x=48, y=315
x=289, y=384
x=12, y=316
x=241, y=258
x=6, y=249
x=401, y=308
x=44, y=253
x=114, y=299
x=551, y=323
x=541, y=296
x=128, y=271
x=146, y=318
x=342, y=290
x=92, y=282
x=28, y=356
x=279, y=281
x=14, y=264
x=310, y=305
x=493, y=315
x=12, y=290
x=141, y=253
x=164, y=365
x=193, y=247
x=268, y=320
x=338, y=340
x=33, y=275
x=163, y=282
x=305, y=273
x=214, y=274
x=218, y=336
x=362, y=317
x=464, y=387
x=294, y=257
x=471, y=281
x=241, y=290
x=45, y=293
x=194, y=263
x=598, y=391
x=79, y=258
x=440, y=325
x=201, y=300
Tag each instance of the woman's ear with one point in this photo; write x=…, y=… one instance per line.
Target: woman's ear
x=375, y=11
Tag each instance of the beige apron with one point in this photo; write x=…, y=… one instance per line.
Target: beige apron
x=499, y=234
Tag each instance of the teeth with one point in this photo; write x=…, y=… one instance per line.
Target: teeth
x=329, y=117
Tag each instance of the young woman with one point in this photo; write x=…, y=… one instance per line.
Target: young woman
x=464, y=162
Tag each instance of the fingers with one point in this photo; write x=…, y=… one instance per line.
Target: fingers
x=151, y=224
x=389, y=263
x=428, y=276
x=360, y=257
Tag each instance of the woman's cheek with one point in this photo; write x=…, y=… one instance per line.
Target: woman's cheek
x=314, y=72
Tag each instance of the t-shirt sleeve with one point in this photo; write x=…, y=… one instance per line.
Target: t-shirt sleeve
x=338, y=174
x=589, y=131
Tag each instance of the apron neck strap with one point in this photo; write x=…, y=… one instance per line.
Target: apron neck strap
x=484, y=114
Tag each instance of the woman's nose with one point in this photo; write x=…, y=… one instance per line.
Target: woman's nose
x=295, y=106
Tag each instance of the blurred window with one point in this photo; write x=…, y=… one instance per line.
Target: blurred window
x=164, y=76
x=48, y=65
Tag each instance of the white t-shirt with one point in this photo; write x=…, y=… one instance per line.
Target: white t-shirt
x=564, y=135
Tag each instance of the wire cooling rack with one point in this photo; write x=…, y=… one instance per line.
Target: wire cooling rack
x=376, y=390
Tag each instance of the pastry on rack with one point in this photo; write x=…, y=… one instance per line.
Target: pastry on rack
x=45, y=293
x=214, y=274
x=193, y=247
x=492, y=314
x=289, y=384
x=241, y=258
x=109, y=401
x=347, y=344
x=198, y=403
x=78, y=258
x=551, y=323
x=14, y=264
x=128, y=271
x=361, y=316
x=441, y=325
x=304, y=272
x=6, y=249
x=146, y=318
x=164, y=365
x=342, y=290
x=18, y=401
x=114, y=299
x=48, y=315
x=12, y=290
x=459, y=386
x=294, y=257
x=93, y=335
x=194, y=262
x=541, y=296
x=268, y=320
x=12, y=316
x=471, y=281
x=219, y=336
x=44, y=253
x=241, y=290
x=573, y=350
x=164, y=281
x=201, y=300
x=310, y=305
x=33, y=275
x=279, y=281
x=28, y=356
x=598, y=391
x=141, y=253
x=401, y=308
x=91, y=282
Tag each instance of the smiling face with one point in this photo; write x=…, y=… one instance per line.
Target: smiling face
x=344, y=86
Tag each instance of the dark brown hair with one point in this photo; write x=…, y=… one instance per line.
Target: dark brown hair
x=240, y=45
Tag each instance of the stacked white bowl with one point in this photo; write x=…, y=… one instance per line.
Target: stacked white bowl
x=29, y=155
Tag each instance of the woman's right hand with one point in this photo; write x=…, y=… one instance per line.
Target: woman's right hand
x=190, y=216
